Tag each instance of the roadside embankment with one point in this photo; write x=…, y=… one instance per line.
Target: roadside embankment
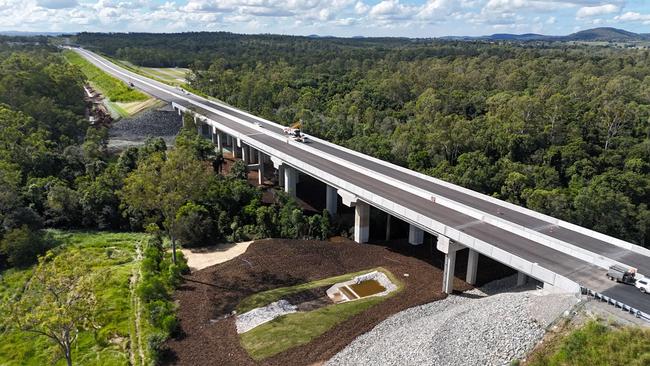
x=471, y=328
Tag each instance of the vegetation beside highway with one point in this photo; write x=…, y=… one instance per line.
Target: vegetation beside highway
x=112, y=88
x=56, y=173
x=595, y=344
x=110, y=256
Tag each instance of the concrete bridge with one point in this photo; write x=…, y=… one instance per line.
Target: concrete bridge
x=563, y=256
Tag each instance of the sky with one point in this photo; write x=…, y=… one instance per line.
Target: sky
x=346, y=18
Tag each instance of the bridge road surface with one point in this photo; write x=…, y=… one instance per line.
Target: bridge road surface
x=581, y=272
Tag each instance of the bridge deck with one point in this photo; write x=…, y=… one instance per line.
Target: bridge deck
x=575, y=269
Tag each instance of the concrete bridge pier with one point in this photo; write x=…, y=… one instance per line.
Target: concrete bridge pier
x=361, y=222
x=416, y=235
x=472, y=266
x=331, y=200
x=290, y=180
x=217, y=139
x=449, y=248
x=522, y=278
x=388, y=220
x=237, y=149
x=245, y=155
x=260, y=168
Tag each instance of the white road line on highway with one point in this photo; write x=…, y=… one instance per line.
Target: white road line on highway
x=472, y=223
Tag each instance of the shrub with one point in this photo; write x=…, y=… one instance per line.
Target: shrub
x=22, y=246
x=156, y=344
x=151, y=289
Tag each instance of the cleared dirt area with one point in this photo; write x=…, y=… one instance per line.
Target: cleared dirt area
x=207, y=298
x=200, y=258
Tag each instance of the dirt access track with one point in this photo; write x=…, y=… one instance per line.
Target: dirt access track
x=208, y=335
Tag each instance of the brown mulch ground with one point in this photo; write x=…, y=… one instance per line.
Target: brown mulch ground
x=208, y=335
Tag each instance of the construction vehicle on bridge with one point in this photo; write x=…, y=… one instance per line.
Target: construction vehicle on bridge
x=294, y=132
x=619, y=273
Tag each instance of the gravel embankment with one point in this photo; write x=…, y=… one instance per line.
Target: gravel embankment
x=467, y=329
x=135, y=130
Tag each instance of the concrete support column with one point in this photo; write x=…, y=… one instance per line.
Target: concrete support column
x=219, y=142
x=522, y=278
x=449, y=248
x=448, y=278
x=290, y=180
x=281, y=175
x=416, y=235
x=260, y=169
x=472, y=266
x=254, y=156
x=361, y=222
x=237, y=148
x=245, y=154
x=331, y=198
x=388, y=220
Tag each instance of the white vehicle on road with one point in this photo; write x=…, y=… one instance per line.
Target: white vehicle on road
x=643, y=284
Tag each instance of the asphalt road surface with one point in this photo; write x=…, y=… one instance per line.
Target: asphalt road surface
x=586, y=274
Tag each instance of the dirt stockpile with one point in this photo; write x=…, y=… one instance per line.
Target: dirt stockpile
x=151, y=123
x=209, y=337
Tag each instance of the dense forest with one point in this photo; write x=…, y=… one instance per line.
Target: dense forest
x=56, y=172
x=562, y=129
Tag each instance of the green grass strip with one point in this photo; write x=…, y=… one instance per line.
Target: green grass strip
x=112, y=88
x=597, y=344
x=299, y=328
x=267, y=297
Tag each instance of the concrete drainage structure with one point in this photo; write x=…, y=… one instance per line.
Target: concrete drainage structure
x=370, y=284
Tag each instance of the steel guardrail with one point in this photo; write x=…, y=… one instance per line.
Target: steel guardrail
x=611, y=301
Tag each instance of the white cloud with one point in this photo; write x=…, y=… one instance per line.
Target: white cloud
x=361, y=8
x=632, y=16
x=591, y=11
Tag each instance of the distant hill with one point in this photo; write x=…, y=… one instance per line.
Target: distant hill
x=596, y=34
x=604, y=34
x=31, y=34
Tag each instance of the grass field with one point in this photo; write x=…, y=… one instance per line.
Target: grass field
x=173, y=76
x=112, y=88
x=596, y=344
x=299, y=328
x=115, y=342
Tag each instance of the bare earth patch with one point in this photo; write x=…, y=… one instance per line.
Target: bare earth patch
x=200, y=258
